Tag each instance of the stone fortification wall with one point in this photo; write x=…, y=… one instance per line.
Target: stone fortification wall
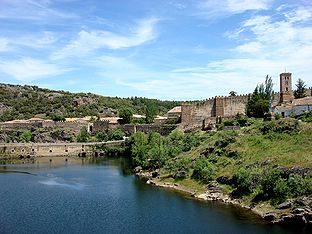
x=25, y=125
x=75, y=126
x=146, y=128
x=132, y=128
x=202, y=114
x=99, y=126
x=51, y=149
x=234, y=105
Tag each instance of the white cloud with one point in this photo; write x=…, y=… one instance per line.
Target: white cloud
x=216, y=9
x=28, y=69
x=32, y=10
x=93, y=40
x=300, y=14
x=36, y=40
x=250, y=47
x=4, y=44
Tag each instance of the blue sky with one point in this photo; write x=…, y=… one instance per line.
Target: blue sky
x=174, y=50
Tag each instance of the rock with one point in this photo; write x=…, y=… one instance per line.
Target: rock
x=304, y=201
x=181, y=174
x=209, y=150
x=298, y=211
x=285, y=205
x=269, y=216
x=155, y=174
x=224, y=180
x=137, y=169
x=232, y=154
x=293, y=219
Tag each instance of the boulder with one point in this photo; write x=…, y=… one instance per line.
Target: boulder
x=181, y=174
x=304, y=201
x=285, y=205
x=137, y=169
x=224, y=180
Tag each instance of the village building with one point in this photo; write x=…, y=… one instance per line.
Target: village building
x=287, y=104
x=206, y=113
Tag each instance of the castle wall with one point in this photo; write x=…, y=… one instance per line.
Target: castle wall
x=17, y=125
x=75, y=126
x=234, y=105
x=195, y=115
x=100, y=126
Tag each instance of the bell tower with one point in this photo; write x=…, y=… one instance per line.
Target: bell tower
x=286, y=94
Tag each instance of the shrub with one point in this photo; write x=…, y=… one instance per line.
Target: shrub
x=204, y=171
x=296, y=185
x=287, y=125
x=280, y=191
x=229, y=122
x=26, y=136
x=83, y=135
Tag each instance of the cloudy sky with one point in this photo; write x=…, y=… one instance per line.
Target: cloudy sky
x=166, y=49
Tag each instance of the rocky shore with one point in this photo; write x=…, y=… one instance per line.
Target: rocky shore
x=292, y=212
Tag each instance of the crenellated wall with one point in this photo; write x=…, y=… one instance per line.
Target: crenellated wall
x=201, y=114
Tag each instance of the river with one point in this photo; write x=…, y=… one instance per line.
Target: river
x=101, y=196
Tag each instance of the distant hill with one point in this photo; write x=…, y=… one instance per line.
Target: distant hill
x=24, y=102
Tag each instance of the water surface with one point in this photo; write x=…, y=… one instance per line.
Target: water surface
x=100, y=196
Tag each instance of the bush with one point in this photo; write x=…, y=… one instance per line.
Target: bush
x=26, y=136
x=83, y=135
x=287, y=125
x=229, y=122
x=296, y=185
x=204, y=171
x=280, y=191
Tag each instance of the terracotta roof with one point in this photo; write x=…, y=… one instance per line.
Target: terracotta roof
x=176, y=109
x=71, y=119
x=302, y=101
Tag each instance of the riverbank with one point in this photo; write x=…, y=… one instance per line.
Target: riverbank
x=287, y=213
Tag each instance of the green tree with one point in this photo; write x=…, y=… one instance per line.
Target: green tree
x=83, y=135
x=150, y=112
x=300, y=92
x=26, y=136
x=115, y=134
x=260, y=101
x=233, y=93
x=156, y=149
x=174, y=142
x=139, y=149
x=126, y=114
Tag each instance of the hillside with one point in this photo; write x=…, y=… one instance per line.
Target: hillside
x=24, y=102
x=265, y=166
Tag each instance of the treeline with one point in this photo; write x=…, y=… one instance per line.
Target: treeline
x=24, y=102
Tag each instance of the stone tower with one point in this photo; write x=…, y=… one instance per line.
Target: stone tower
x=286, y=94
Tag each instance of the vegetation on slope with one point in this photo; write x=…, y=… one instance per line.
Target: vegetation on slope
x=266, y=161
x=24, y=102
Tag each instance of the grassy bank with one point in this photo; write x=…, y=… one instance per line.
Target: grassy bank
x=263, y=163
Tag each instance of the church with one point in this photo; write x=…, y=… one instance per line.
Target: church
x=287, y=104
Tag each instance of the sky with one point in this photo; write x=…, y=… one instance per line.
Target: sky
x=164, y=49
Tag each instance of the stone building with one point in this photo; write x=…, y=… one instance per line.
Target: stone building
x=203, y=114
x=287, y=105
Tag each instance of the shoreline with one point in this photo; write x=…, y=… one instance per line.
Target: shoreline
x=301, y=217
